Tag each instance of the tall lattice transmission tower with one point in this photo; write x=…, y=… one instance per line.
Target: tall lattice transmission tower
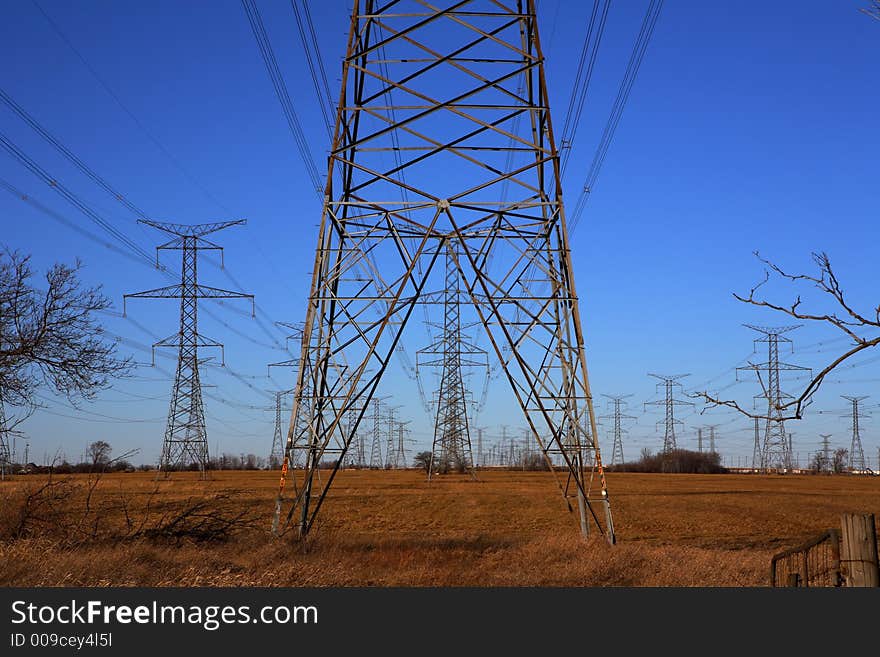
x=825, y=454
x=376, y=443
x=398, y=461
x=712, y=447
x=186, y=439
x=451, y=449
x=669, y=402
x=776, y=452
x=5, y=452
x=856, y=452
x=756, y=451
x=429, y=162
x=617, y=415
x=276, y=454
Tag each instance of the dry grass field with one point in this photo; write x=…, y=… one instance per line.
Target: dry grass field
x=394, y=529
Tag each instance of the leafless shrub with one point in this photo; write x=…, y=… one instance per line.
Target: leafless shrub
x=201, y=520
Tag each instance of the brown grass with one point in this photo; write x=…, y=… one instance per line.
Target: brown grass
x=394, y=529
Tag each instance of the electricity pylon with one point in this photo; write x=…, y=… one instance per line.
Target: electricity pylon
x=711, y=428
x=391, y=445
x=435, y=90
x=451, y=449
x=856, y=453
x=480, y=459
x=5, y=454
x=776, y=453
x=186, y=439
x=376, y=445
x=276, y=454
x=618, y=432
x=399, y=460
x=826, y=465
x=756, y=452
x=300, y=421
x=669, y=402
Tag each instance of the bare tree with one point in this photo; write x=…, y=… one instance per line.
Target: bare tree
x=99, y=452
x=49, y=337
x=839, y=460
x=422, y=460
x=857, y=326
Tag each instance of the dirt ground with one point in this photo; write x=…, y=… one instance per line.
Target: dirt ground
x=392, y=528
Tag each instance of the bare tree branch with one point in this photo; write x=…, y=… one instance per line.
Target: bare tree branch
x=49, y=338
x=853, y=324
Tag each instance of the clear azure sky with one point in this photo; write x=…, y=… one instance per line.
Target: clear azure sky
x=752, y=126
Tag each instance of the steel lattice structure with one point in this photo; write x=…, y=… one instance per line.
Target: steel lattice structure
x=669, y=402
x=451, y=450
x=617, y=402
x=824, y=457
x=376, y=443
x=186, y=440
x=856, y=452
x=776, y=453
x=398, y=459
x=5, y=453
x=712, y=447
x=276, y=454
x=427, y=160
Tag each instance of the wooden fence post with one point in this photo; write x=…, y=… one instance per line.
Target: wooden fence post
x=834, y=540
x=859, y=550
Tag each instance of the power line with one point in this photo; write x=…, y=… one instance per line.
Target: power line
x=281, y=92
x=582, y=78
x=632, y=69
x=64, y=221
x=72, y=198
x=316, y=66
x=127, y=111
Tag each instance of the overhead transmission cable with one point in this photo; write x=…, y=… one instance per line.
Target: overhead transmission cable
x=316, y=66
x=174, y=161
x=73, y=199
x=281, y=92
x=584, y=74
x=623, y=92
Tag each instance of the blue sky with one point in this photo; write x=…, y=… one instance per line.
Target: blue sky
x=751, y=126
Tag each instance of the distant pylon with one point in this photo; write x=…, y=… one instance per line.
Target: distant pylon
x=391, y=445
x=276, y=454
x=299, y=423
x=712, y=448
x=376, y=446
x=776, y=452
x=856, y=453
x=669, y=423
x=5, y=454
x=756, y=452
x=825, y=465
x=418, y=171
x=700, y=439
x=480, y=460
x=186, y=439
x=617, y=415
x=451, y=449
x=399, y=461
